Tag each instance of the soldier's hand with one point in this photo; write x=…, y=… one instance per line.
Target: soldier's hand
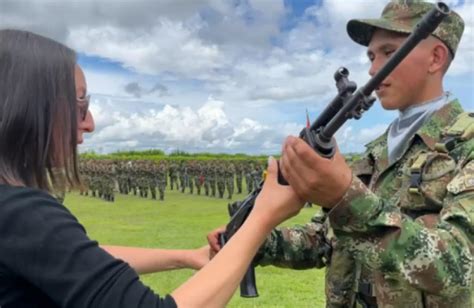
x=213, y=239
x=314, y=178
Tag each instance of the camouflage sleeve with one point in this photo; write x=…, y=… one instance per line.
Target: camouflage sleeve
x=433, y=254
x=298, y=247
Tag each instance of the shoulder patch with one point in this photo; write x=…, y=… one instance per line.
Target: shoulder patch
x=461, y=130
x=463, y=127
x=463, y=181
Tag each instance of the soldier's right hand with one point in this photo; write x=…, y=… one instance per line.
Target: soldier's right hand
x=213, y=239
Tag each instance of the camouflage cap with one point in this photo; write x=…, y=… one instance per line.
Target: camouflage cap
x=402, y=16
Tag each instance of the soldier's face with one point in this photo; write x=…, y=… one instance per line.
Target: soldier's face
x=409, y=83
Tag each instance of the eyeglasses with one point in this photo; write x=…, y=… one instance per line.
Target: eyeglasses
x=83, y=107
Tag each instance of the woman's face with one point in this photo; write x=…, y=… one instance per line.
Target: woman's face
x=85, y=121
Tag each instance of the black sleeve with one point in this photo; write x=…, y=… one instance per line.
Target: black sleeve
x=49, y=248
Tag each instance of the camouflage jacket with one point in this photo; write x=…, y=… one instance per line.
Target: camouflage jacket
x=406, y=228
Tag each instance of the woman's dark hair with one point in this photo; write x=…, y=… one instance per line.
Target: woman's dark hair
x=38, y=121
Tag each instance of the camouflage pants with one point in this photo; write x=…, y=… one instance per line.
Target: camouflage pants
x=230, y=186
x=191, y=184
x=184, y=183
x=152, y=188
x=221, y=188
x=239, y=183
x=161, y=189
x=173, y=180
x=212, y=184
x=206, y=186
x=197, y=183
x=249, y=181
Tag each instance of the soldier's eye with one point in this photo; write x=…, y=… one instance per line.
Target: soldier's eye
x=388, y=53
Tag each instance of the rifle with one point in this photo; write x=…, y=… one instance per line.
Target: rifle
x=346, y=105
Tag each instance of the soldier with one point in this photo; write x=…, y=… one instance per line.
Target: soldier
x=162, y=172
x=191, y=174
x=400, y=223
x=173, y=173
x=257, y=174
x=198, y=177
x=153, y=177
x=109, y=181
x=206, y=175
x=212, y=177
x=180, y=175
x=229, y=179
x=248, y=176
x=142, y=179
x=220, y=179
x=238, y=176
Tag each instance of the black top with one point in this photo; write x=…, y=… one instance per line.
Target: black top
x=47, y=260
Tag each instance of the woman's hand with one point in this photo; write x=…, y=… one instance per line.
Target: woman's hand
x=199, y=257
x=276, y=203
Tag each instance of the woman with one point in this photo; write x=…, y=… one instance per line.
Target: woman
x=46, y=258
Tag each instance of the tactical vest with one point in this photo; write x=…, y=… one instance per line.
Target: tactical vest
x=421, y=180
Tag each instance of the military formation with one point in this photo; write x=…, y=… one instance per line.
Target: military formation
x=102, y=178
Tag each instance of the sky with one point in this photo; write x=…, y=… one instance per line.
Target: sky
x=220, y=76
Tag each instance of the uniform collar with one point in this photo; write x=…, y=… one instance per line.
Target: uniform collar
x=429, y=133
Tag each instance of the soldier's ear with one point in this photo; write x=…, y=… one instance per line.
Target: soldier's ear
x=440, y=58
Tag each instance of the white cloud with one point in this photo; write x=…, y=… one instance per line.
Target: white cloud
x=235, y=52
x=352, y=140
x=179, y=127
x=168, y=46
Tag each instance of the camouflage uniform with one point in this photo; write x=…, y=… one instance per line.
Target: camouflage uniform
x=198, y=177
x=257, y=174
x=161, y=179
x=409, y=246
x=229, y=179
x=403, y=233
x=173, y=173
x=191, y=173
x=206, y=174
x=153, y=178
x=249, y=178
x=238, y=176
x=183, y=176
x=212, y=178
x=220, y=179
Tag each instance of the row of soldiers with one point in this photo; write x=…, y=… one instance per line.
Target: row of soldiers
x=215, y=177
x=102, y=178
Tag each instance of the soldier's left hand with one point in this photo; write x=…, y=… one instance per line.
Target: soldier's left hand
x=314, y=178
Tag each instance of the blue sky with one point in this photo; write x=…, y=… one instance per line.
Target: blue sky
x=216, y=75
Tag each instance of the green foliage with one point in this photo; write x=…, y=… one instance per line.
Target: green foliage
x=182, y=221
x=177, y=155
x=152, y=152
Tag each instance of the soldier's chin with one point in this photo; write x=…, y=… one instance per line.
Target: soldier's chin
x=388, y=104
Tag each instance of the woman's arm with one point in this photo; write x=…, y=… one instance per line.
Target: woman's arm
x=216, y=282
x=151, y=260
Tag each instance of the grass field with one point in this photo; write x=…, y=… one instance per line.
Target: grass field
x=182, y=221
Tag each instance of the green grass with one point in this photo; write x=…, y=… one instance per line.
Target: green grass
x=182, y=221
